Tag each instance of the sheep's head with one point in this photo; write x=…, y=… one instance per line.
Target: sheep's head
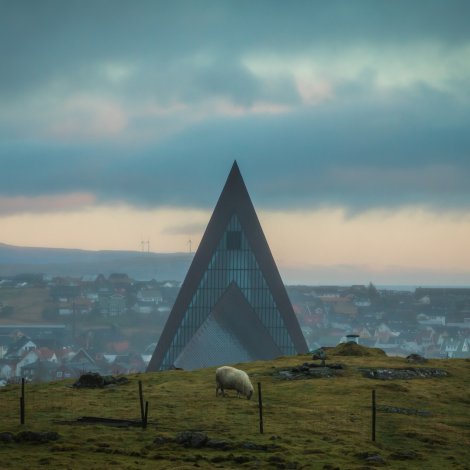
x=249, y=394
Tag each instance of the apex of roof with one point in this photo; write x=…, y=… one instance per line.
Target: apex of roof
x=234, y=200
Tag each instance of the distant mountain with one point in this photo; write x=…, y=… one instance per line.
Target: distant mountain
x=60, y=262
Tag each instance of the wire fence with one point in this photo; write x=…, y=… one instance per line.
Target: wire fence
x=369, y=417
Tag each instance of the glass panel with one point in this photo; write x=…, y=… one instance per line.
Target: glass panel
x=234, y=240
x=233, y=259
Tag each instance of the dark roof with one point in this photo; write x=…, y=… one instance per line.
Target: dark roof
x=41, y=365
x=234, y=199
x=17, y=345
x=82, y=357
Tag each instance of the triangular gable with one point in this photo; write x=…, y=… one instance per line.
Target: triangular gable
x=466, y=345
x=233, y=249
x=225, y=338
x=82, y=357
x=23, y=343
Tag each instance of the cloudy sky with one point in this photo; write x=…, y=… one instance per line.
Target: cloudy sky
x=350, y=121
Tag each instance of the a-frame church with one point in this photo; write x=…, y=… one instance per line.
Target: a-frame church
x=232, y=306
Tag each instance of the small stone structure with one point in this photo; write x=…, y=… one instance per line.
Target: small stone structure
x=403, y=373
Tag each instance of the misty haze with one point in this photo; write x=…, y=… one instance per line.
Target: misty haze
x=278, y=187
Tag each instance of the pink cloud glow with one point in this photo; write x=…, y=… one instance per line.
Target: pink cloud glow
x=87, y=116
x=45, y=204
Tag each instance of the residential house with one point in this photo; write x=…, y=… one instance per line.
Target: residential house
x=456, y=347
x=3, y=348
x=21, y=346
x=65, y=308
x=120, y=282
x=147, y=301
x=127, y=364
x=92, y=279
x=7, y=369
x=144, y=308
x=113, y=305
x=451, y=347
x=153, y=296
x=465, y=350
x=431, y=319
x=386, y=338
x=81, y=363
x=39, y=371
x=28, y=358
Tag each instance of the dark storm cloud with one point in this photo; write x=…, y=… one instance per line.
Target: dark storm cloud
x=358, y=148
x=51, y=40
x=356, y=157
x=192, y=83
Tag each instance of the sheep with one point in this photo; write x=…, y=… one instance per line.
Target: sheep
x=229, y=378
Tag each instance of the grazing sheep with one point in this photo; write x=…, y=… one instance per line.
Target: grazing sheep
x=229, y=378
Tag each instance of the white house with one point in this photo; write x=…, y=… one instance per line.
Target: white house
x=19, y=347
x=29, y=358
x=150, y=295
x=451, y=346
x=6, y=371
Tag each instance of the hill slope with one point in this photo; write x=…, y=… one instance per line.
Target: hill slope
x=322, y=423
x=64, y=262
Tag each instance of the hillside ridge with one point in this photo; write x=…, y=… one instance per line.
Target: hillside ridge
x=77, y=262
x=315, y=423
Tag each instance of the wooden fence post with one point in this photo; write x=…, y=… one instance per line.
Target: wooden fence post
x=146, y=415
x=144, y=411
x=374, y=412
x=22, y=414
x=260, y=406
x=141, y=399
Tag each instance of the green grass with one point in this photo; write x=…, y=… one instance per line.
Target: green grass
x=310, y=424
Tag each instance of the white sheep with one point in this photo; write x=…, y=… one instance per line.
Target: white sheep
x=229, y=378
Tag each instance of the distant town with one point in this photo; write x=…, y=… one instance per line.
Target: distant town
x=52, y=328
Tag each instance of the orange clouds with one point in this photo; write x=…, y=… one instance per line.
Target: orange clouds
x=45, y=204
x=410, y=237
x=380, y=242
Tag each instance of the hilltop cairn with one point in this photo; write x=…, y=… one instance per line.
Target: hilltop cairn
x=312, y=370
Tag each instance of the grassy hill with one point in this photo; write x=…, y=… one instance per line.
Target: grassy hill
x=318, y=423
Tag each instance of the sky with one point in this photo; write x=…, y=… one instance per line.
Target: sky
x=350, y=122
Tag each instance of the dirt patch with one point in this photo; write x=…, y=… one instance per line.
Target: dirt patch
x=393, y=387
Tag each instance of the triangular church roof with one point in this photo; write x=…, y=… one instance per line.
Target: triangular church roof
x=234, y=200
